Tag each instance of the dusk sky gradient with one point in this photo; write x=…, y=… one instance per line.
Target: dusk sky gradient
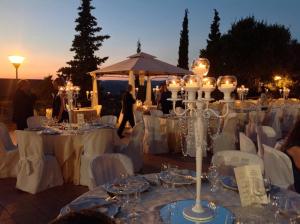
x=43, y=30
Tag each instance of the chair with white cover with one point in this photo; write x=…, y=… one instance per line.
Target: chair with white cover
x=134, y=149
x=237, y=158
x=8, y=162
x=9, y=154
x=107, y=167
x=278, y=167
x=138, y=116
x=36, y=121
x=255, y=118
x=94, y=145
x=223, y=142
x=36, y=171
x=268, y=136
x=5, y=138
x=155, y=140
x=246, y=144
x=108, y=120
x=157, y=113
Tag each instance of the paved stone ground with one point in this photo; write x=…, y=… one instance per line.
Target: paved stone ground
x=22, y=208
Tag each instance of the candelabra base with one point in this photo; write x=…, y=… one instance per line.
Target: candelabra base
x=206, y=215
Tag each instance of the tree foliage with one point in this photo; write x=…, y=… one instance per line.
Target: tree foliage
x=253, y=50
x=85, y=44
x=183, y=52
x=138, y=47
x=213, y=45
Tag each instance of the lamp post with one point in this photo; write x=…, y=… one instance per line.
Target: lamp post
x=16, y=61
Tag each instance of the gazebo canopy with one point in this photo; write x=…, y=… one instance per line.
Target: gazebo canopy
x=141, y=63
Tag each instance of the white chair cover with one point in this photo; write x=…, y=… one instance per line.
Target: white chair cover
x=223, y=142
x=157, y=113
x=36, y=121
x=36, y=172
x=138, y=116
x=272, y=119
x=268, y=136
x=93, y=145
x=134, y=149
x=5, y=138
x=290, y=116
x=278, y=167
x=109, y=120
x=107, y=167
x=246, y=144
x=155, y=140
x=237, y=158
x=255, y=118
x=8, y=161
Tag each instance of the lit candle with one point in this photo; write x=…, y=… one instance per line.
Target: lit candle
x=173, y=84
x=227, y=84
x=207, y=85
x=190, y=84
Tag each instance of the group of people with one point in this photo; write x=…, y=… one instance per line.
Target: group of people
x=24, y=101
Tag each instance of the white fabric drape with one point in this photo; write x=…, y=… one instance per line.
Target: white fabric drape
x=107, y=167
x=134, y=149
x=36, y=121
x=246, y=144
x=236, y=158
x=278, y=167
x=36, y=171
x=155, y=140
x=95, y=143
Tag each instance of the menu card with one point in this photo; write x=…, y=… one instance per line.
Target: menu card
x=251, y=185
x=80, y=118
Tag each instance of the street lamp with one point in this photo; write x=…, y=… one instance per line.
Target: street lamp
x=16, y=61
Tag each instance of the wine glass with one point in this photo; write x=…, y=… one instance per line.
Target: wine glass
x=134, y=200
x=213, y=178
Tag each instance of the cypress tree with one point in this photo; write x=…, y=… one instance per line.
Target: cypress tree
x=139, y=47
x=86, y=42
x=183, y=59
x=213, y=45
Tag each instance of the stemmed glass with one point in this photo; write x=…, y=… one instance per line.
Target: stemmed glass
x=213, y=178
x=134, y=200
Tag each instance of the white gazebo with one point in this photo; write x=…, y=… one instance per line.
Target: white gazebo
x=140, y=64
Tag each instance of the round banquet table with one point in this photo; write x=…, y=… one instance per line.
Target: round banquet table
x=153, y=199
x=68, y=147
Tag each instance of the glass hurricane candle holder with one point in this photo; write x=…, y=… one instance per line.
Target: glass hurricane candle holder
x=191, y=85
x=286, y=92
x=174, y=85
x=200, y=67
x=227, y=84
x=208, y=85
x=242, y=92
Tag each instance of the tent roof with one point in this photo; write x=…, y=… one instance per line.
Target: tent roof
x=142, y=62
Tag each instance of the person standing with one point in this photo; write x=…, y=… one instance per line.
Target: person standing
x=23, y=103
x=59, y=110
x=166, y=105
x=127, y=108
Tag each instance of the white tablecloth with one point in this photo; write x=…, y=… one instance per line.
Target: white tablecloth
x=157, y=196
x=67, y=149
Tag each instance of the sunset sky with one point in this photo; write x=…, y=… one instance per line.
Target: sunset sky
x=43, y=30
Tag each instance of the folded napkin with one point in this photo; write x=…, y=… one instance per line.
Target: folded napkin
x=87, y=202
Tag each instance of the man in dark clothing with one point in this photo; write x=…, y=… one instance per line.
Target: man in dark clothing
x=59, y=110
x=127, y=108
x=23, y=103
x=166, y=105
